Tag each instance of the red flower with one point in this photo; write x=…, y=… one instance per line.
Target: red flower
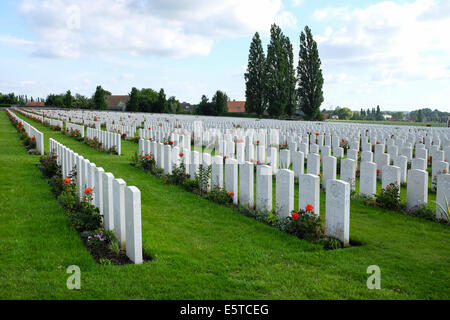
x=147, y=157
x=257, y=162
x=87, y=191
x=309, y=208
x=319, y=174
x=55, y=156
x=232, y=194
x=181, y=154
x=295, y=216
x=33, y=138
x=171, y=142
x=343, y=140
x=142, y=156
x=67, y=180
x=378, y=171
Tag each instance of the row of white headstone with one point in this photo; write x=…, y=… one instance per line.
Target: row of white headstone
x=128, y=130
x=119, y=205
x=31, y=132
x=106, y=138
x=239, y=180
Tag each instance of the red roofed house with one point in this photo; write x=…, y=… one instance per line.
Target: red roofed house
x=117, y=102
x=236, y=106
x=35, y=104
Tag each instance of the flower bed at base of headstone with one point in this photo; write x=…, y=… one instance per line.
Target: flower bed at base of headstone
x=76, y=134
x=95, y=144
x=84, y=217
x=304, y=224
x=28, y=142
x=55, y=128
x=389, y=198
x=308, y=227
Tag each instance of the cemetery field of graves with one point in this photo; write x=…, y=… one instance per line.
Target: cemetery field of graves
x=271, y=176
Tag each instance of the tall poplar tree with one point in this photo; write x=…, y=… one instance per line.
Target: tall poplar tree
x=276, y=70
x=220, y=101
x=133, y=102
x=99, y=98
x=254, y=78
x=290, y=79
x=68, y=99
x=310, y=79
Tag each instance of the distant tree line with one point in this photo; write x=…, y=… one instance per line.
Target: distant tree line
x=148, y=100
x=375, y=114
x=216, y=107
x=426, y=115
x=272, y=85
x=144, y=100
x=8, y=99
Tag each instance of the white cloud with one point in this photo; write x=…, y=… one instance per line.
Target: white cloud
x=161, y=27
x=286, y=20
x=297, y=3
x=14, y=41
x=392, y=41
x=128, y=76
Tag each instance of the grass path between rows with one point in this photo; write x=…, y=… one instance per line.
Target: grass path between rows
x=202, y=250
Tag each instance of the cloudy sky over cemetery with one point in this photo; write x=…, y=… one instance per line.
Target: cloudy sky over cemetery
x=392, y=53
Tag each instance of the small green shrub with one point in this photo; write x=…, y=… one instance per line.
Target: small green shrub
x=271, y=218
x=114, y=247
x=105, y=262
x=135, y=159
x=190, y=185
x=219, y=196
x=203, y=176
x=178, y=175
x=330, y=243
x=421, y=211
x=48, y=165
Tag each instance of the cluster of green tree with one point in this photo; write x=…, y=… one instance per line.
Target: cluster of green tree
x=216, y=107
x=375, y=114
x=426, y=114
x=271, y=82
x=9, y=99
x=66, y=100
x=148, y=100
x=365, y=114
x=12, y=99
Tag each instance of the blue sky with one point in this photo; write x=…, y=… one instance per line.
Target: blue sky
x=395, y=54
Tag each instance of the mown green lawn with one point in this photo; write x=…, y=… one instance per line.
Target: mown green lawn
x=202, y=250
